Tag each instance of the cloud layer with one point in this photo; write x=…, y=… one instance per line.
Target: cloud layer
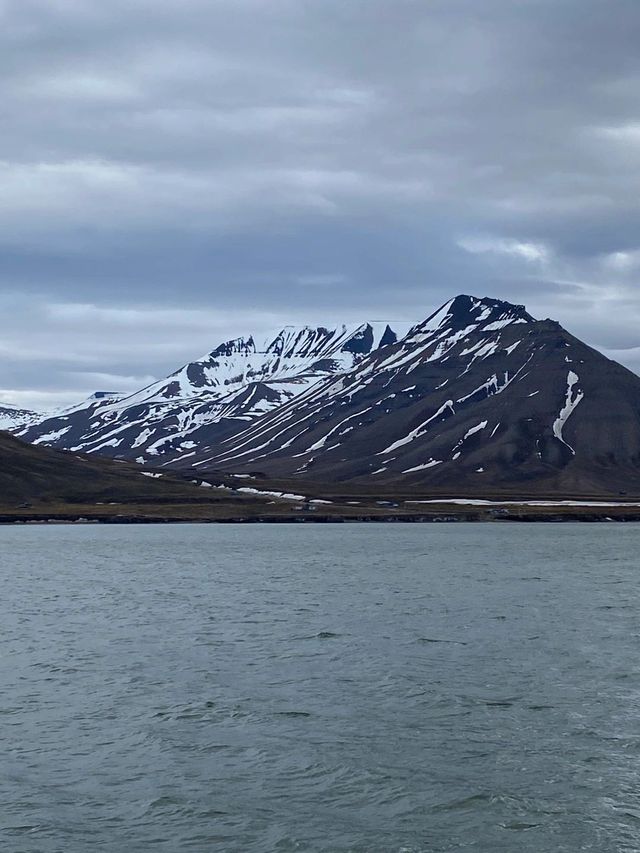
x=174, y=173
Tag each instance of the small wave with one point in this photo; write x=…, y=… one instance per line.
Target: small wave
x=292, y=714
x=469, y=802
x=519, y=826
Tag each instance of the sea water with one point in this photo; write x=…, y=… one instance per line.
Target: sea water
x=370, y=688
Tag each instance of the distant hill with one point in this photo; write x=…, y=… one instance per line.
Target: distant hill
x=13, y=418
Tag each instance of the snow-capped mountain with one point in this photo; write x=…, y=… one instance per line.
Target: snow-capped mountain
x=212, y=397
x=13, y=418
x=479, y=395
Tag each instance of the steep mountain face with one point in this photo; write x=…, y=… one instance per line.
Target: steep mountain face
x=12, y=418
x=480, y=395
x=211, y=398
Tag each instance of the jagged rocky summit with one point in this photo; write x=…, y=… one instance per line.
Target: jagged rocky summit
x=479, y=396
x=210, y=398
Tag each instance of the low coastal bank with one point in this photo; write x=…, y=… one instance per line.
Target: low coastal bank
x=438, y=514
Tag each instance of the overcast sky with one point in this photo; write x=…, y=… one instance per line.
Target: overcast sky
x=174, y=173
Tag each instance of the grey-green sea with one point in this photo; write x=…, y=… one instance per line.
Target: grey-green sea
x=361, y=688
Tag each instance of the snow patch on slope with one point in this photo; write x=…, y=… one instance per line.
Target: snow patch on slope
x=569, y=407
x=418, y=431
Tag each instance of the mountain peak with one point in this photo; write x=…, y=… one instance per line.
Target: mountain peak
x=103, y=395
x=464, y=311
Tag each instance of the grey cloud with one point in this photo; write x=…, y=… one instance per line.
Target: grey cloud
x=243, y=156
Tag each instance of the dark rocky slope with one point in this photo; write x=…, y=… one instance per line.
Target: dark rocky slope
x=37, y=475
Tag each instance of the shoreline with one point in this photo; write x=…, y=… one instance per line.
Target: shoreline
x=400, y=518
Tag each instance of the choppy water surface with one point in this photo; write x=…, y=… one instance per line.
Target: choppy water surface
x=369, y=688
